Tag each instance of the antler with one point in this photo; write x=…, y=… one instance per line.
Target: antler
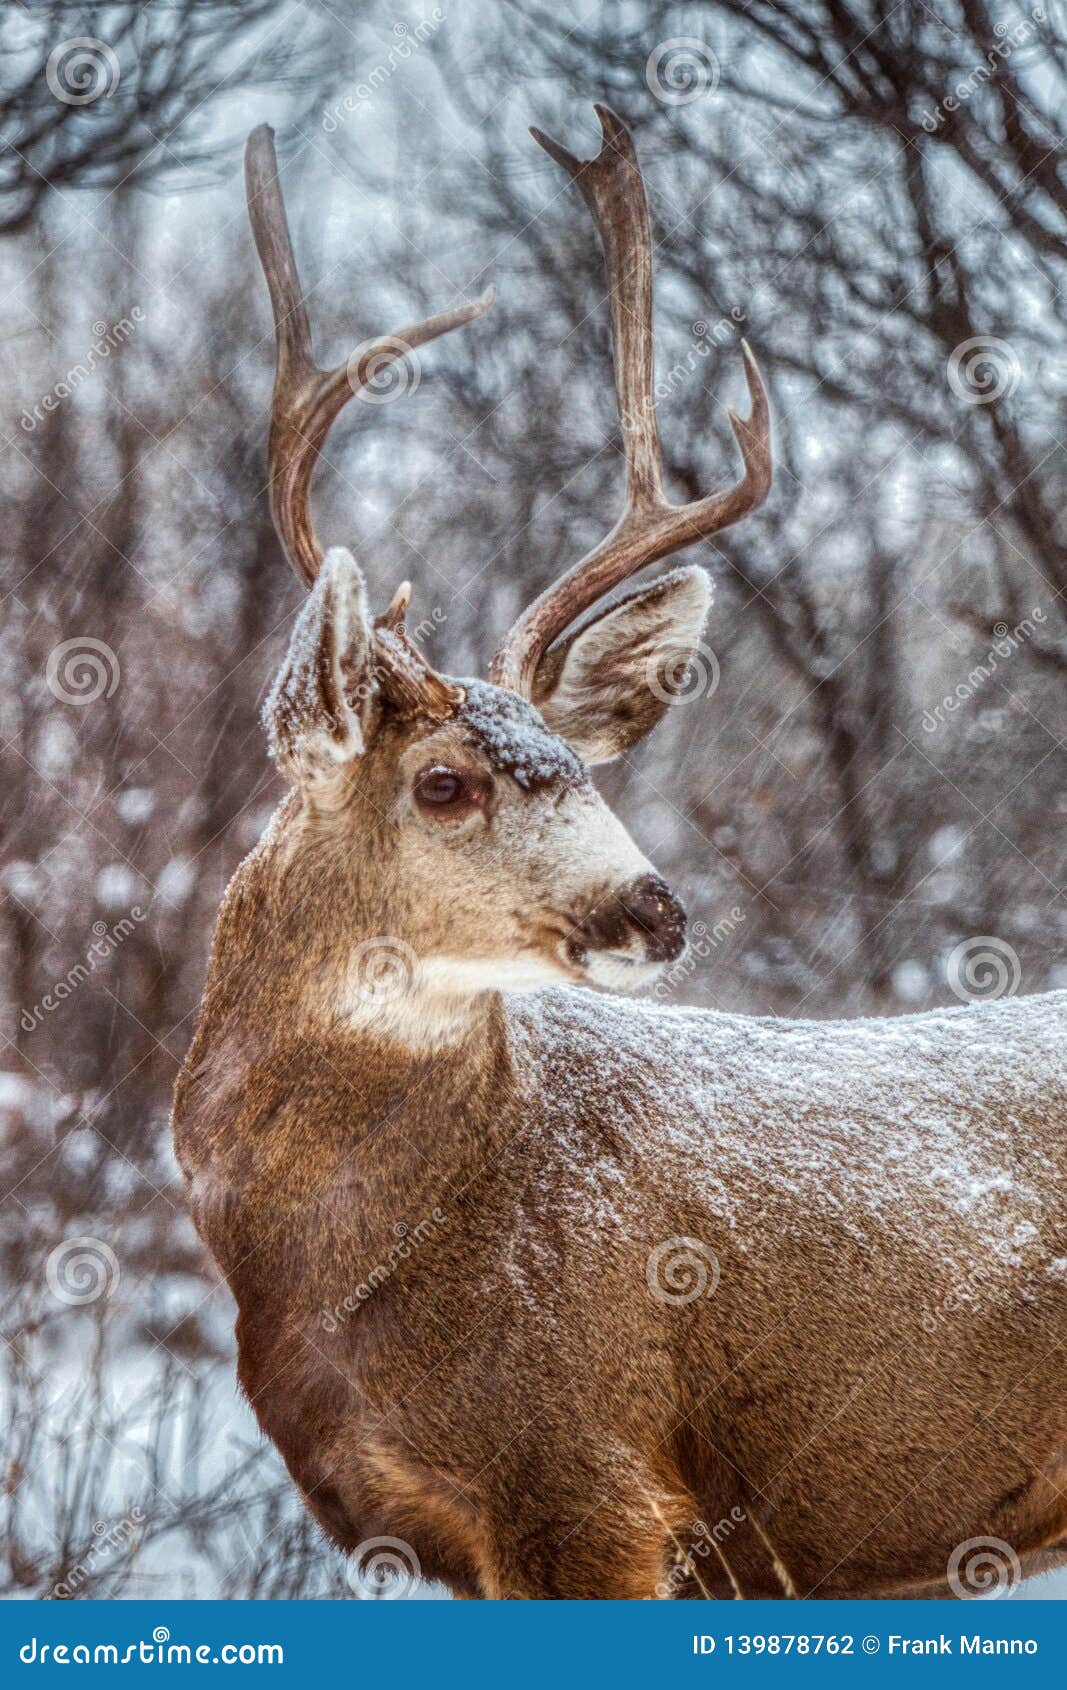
x=306, y=399
x=650, y=527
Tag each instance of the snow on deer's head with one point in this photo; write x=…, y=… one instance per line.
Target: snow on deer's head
x=471, y=830
x=456, y=820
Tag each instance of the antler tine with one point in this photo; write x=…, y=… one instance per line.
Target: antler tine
x=650, y=528
x=307, y=399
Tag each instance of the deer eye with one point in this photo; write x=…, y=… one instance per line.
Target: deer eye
x=442, y=788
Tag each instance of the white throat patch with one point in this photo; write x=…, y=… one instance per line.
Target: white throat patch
x=429, y=1003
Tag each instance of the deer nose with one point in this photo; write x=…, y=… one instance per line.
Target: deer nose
x=656, y=913
x=646, y=910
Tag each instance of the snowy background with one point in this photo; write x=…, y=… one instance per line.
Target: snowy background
x=873, y=193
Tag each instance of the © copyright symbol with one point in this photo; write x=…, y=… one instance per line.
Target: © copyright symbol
x=870, y=1645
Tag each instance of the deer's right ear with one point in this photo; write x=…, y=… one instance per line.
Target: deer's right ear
x=319, y=712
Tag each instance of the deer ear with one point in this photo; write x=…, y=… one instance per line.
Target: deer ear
x=605, y=687
x=320, y=709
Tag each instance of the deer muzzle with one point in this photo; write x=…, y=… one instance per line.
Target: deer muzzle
x=640, y=924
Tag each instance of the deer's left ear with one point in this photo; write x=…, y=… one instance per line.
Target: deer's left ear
x=319, y=712
x=605, y=687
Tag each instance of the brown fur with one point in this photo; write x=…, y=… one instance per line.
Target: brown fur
x=507, y=1397
x=440, y=1214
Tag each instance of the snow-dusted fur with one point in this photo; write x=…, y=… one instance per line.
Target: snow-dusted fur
x=879, y=1373
x=580, y=1296
x=877, y=1376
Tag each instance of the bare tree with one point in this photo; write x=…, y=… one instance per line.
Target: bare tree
x=93, y=96
x=868, y=772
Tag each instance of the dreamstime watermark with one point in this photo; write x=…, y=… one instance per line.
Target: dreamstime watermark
x=81, y=670
x=409, y=39
x=680, y=1270
x=703, y=1541
x=375, y=676
x=980, y=1281
x=81, y=70
x=678, y=676
x=107, y=338
x=701, y=944
x=82, y=1270
x=706, y=335
x=983, y=369
x=429, y=624
x=156, y=1651
x=1006, y=642
x=1009, y=37
x=106, y=941
x=409, y=1239
x=108, y=1541
x=383, y=1567
x=382, y=370
x=383, y=970
x=984, y=1567
x=681, y=70
x=983, y=969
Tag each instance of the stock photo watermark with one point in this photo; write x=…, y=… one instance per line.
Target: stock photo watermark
x=1009, y=37
x=984, y=369
x=983, y=1281
x=81, y=670
x=382, y=370
x=707, y=335
x=82, y=70
x=702, y=941
x=1005, y=643
x=409, y=1239
x=703, y=1542
x=109, y=1541
x=983, y=1567
x=104, y=944
x=680, y=1270
x=677, y=677
x=81, y=1271
x=409, y=38
x=107, y=338
x=383, y=1568
x=681, y=70
x=383, y=970
x=982, y=969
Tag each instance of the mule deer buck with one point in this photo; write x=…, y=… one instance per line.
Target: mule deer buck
x=534, y=1283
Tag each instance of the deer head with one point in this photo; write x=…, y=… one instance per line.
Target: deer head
x=458, y=817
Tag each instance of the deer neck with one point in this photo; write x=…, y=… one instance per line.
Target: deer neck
x=269, y=1117
x=422, y=1010
x=337, y=1052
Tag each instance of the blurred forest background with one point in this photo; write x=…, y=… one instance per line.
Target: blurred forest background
x=873, y=192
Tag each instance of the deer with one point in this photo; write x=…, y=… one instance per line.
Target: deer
x=546, y=1289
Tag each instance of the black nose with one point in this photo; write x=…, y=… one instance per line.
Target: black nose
x=647, y=908
x=656, y=912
